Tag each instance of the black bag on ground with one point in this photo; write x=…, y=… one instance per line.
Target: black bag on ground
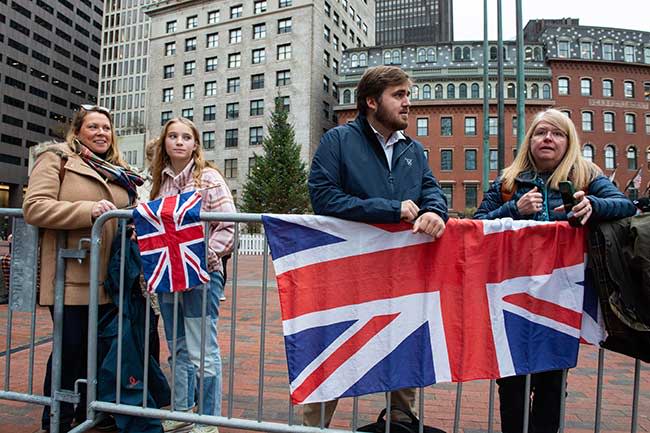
x=397, y=426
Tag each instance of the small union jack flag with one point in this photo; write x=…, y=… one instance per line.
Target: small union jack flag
x=171, y=241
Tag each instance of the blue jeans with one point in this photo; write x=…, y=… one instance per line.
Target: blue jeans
x=188, y=345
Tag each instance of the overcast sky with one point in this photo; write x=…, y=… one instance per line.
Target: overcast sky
x=626, y=14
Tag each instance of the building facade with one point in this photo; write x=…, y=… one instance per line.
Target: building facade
x=414, y=21
x=607, y=98
x=49, y=58
x=224, y=64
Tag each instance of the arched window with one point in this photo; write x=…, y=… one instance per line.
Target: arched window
x=431, y=55
x=511, y=90
x=397, y=57
x=610, y=157
x=467, y=53
x=534, y=91
x=525, y=91
x=537, y=54
x=475, y=91
x=426, y=92
x=363, y=59
x=588, y=152
x=451, y=91
x=415, y=92
x=387, y=57
x=422, y=55
x=346, y=96
x=493, y=53
x=458, y=54
x=528, y=53
x=546, y=91
x=631, y=158
x=354, y=61
x=438, y=91
x=489, y=90
x=462, y=91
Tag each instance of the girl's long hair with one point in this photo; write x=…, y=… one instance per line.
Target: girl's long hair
x=573, y=166
x=161, y=159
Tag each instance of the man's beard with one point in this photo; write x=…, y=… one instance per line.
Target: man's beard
x=392, y=122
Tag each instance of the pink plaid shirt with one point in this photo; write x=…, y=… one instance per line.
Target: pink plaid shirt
x=217, y=199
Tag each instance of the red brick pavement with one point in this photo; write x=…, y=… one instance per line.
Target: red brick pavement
x=439, y=400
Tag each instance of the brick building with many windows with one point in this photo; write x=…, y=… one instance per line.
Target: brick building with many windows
x=607, y=98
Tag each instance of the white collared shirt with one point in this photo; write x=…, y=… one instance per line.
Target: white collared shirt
x=387, y=145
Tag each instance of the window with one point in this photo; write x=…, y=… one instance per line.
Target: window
x=284, y=3
x=628, y=89
x=326, y=84
x=493, y=125
x=646, y=54
x=631, y=158
x=284, y=52
x=494, y=159
x=563, y=86
x=335, y=42
x=257, y=81
x=647, y=125
x=426, y=91
x=232, y=110
x=236, y=11
x=451, y=91
x=283, y=78
x=610, y=157
x=446, y=126
x=170, y=26
x=415, y=92
x=563, y=49
x=630, y=122
x=462, y=91
x=212, y=40
x=259, y=7
x=258, y=56
x=233, y=85
x=209, y=112
x=585, y=86
x=190, y=44
x=438, y=91
x=585, y=50
x=422, y=55
x=259, y=31
x=448, y=191
x=470, y=126
x=232, y=137
x=167, y=94
x=546, y=91
x=475, y=91
x=629, y=53
x=608, y=51
x=326, y=110
x=283, y=102
x=189, y=67
x=234, y=60
x=326, y=59
x=165, y=116
x=230, y=168
x=471, y=196
x=192, y=22
x=608, y=88
x=168, y=71
x=188, y=91
x=208, y=139
x=646, y=91
x=510, y=90
x=256, y=135
x=587, y=121
x=335, y=66
x=423, y=126
x=213, y=17
x=326, y=33
x=446, y=160
x=470, y=159
x=211, y=64
x=234, y=36
x=170, y=48
x=284, y=25
x=608, y=122
x=588, y=152
x=210, y=88
x=188, y=113
x=257, y=107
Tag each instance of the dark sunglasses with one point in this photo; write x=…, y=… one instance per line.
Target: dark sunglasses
x=98, y=108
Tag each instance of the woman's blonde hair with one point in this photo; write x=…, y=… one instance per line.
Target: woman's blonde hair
x=161, y=159
x=113, y=154
x=572, y=166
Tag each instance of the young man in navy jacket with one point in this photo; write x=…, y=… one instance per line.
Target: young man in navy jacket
x=370, y=171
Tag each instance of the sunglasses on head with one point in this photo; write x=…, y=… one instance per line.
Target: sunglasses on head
x=98, y=108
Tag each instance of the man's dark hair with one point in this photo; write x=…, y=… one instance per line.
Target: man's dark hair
x=375, y=80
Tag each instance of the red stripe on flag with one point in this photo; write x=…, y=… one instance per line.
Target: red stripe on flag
x=546, y=309
x=340, y=355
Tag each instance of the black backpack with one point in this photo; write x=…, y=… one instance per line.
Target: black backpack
x=397, y=426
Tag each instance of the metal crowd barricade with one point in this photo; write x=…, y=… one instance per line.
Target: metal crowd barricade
x=262, y=404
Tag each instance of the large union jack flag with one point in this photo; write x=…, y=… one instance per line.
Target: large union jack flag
x=171, y=241
x=370, y=308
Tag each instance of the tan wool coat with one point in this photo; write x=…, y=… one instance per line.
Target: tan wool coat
x=53, y=205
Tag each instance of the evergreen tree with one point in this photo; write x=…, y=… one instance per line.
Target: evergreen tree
x=278, y=183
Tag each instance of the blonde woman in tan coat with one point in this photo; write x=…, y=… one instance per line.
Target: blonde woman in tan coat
x=71, y=185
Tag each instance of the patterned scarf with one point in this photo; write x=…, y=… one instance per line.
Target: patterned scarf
x=124, y=177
